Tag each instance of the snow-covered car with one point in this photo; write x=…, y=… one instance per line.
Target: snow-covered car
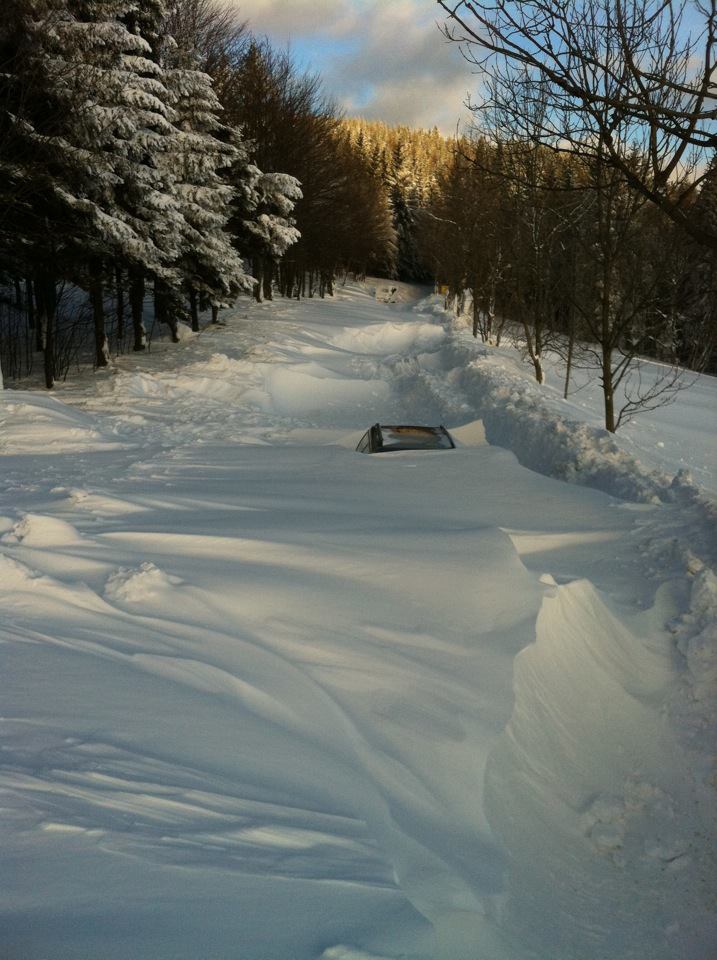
x=385, y=438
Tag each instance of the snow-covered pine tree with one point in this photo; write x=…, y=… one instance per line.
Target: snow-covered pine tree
x=124, y=122
x=378, y=163
x=262, y=221
x=203, y=151
x=102, y=195
x=402, y=190
x=159, y=206
x=36, y=225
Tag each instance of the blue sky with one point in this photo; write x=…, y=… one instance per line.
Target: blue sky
x=382, y=59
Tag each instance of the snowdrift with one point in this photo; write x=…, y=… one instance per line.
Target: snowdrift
x=517, y=416
x=37, y=424
x=266, y=697
x=593, y=795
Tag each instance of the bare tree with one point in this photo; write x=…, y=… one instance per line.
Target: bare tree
x=216, y=36
x=633, y=79
x=618, y=298
x=696, y=309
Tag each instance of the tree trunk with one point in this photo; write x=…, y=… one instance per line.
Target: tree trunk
x=534, y=353
x=194, y=309
x=267, y=278
x=136, y=302
x=30, y=301
x=98, y=314
x=119, y=289
x=40, y=323
x=215, y=313
x=490, y=321
x=46, y=309
x=163, y=312
x=499, y=331
x=569, y=363
x=258, y=274
x=18, y=294
x=605, y=226
x=50, y=323
x=476, y=316
x=607, y=390
x=606, y=345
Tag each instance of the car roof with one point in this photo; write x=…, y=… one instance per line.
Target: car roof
x=413, y=437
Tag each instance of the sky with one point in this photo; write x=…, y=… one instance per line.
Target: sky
x=380, y=59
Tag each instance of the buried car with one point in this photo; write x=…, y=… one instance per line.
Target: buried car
x=385, y=438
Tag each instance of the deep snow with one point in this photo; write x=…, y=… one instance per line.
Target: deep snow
x=265, y=697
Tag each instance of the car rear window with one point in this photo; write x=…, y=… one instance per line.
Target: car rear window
x=414, y=438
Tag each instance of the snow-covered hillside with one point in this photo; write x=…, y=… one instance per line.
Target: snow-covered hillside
x=268, y=698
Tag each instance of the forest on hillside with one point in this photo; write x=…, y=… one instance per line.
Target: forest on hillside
x=163, y=153
x=586, y=202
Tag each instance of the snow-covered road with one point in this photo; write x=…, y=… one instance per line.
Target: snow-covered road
x=265, y=697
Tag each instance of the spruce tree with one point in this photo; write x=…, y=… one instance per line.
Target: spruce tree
x=39, y=169
x=203, y=152
x=408, y=266
x=262, y=223
x=101, y=194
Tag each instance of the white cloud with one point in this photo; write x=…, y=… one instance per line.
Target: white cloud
x=414, y=103
x=399, y=68
x=284, y=19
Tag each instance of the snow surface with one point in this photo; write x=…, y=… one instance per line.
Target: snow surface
x=266, y=697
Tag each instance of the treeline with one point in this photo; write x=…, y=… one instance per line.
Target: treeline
x=410, y=166
x=163, y=155
x=568, y=252
x=585, y=209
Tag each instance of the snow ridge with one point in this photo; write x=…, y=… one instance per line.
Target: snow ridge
x=683, y=550
x=516, y=416
x=322, y=706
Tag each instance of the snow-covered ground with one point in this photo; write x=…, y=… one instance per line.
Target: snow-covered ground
x=268, y=698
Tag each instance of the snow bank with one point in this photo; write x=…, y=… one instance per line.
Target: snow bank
x=620, y=807
x=342, y=952
x=588, y=780
x=394, y=291
x=34, y=530
x=267, y=697
x=384, y=339
x=518, y=415
x=131, y=587
x=34, y=423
